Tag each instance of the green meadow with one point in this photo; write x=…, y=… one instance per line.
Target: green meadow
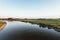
x=47, y=22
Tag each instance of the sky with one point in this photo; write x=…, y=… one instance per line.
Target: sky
x=30, y=8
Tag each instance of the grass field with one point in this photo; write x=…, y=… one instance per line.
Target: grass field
x=53, y=23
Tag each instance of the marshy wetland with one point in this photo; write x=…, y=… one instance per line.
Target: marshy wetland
x=30, y=30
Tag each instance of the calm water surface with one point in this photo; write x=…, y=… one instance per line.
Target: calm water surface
x=26, y=31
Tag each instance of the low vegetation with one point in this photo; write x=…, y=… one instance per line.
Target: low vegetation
x=53, y=23
x=2, y=24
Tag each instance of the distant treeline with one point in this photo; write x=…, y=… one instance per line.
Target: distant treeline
x=27, y=19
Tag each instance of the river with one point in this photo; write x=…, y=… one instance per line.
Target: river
x=15, y=30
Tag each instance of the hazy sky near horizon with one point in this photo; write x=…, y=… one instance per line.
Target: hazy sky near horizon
x=30, y=8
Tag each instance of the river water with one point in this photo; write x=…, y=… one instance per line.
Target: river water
x=15, y=30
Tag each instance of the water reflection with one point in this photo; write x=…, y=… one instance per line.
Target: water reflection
x=27, y=31
x=49, y=27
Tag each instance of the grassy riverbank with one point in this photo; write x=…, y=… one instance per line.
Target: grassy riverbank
x=52, y=23
x=2, y=24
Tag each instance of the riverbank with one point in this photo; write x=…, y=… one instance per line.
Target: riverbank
x=2, y=24
x=50, y=23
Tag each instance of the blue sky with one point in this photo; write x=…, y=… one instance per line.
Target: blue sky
x=30, y=8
